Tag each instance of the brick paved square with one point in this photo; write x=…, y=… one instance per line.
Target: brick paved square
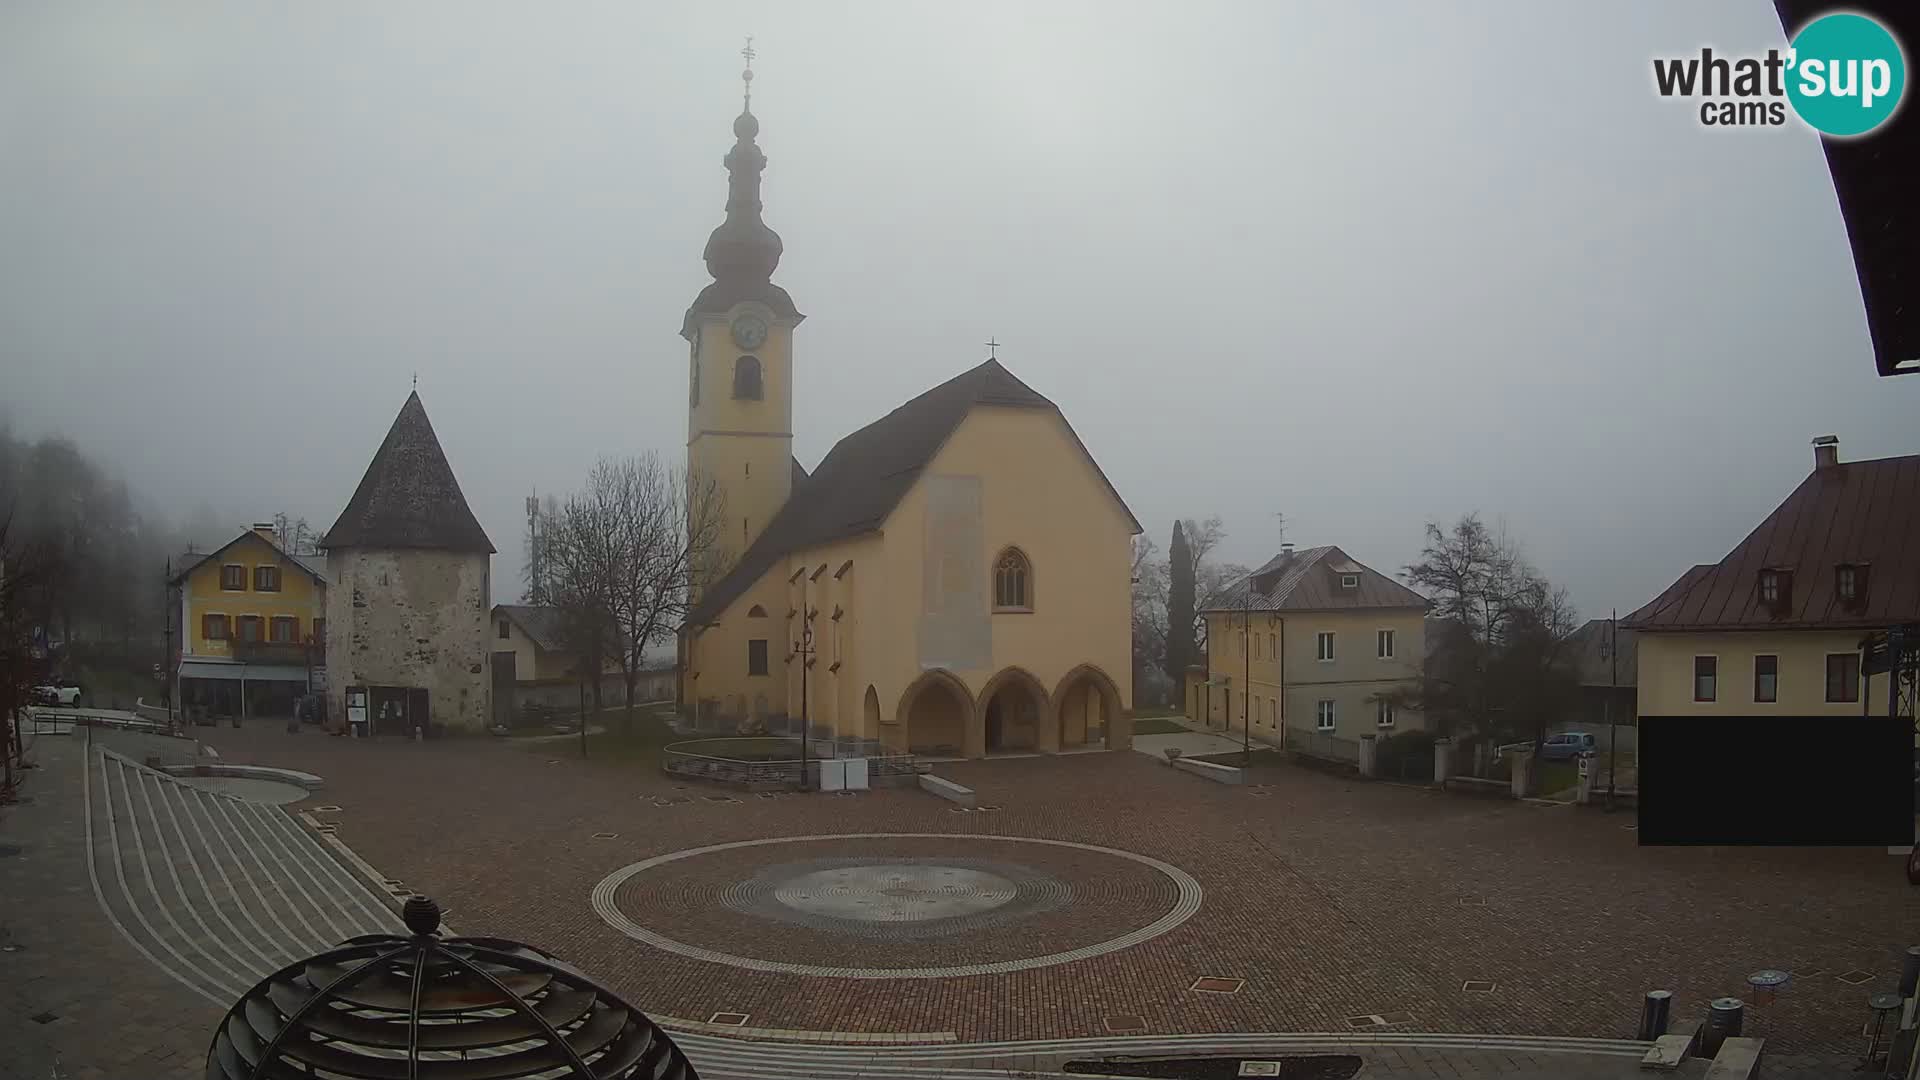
x=1334, y=897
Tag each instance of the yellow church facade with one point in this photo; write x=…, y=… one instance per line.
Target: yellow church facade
x=953, y=579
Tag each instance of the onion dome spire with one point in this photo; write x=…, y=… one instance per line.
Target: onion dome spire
x=743, y=248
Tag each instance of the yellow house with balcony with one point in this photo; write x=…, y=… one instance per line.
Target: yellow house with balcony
x=1304, y=647
x=250, y=627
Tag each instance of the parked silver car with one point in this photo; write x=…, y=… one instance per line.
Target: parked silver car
x=1566, y=745
x=1560, y=746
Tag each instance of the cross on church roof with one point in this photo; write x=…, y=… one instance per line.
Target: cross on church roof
x=993, y=349
x=746, y=76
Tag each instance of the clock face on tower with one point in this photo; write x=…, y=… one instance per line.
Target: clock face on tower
x=749, y=331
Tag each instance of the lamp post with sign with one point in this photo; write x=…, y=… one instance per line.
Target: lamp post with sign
x=804, y=650
x=1611, y=644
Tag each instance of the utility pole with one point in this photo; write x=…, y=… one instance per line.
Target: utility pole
x=166, y=621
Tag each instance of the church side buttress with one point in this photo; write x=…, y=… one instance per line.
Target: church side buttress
x=740, y=366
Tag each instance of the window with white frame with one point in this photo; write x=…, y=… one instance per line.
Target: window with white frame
x=1323, y=645
x=1383, y=644
x=1324, y=717
x=1349, y=581
x=1383, y=714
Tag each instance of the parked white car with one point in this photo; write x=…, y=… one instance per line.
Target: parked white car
x=56, y=695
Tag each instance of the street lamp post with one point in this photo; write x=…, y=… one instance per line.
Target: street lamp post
x=1246, y=674
x=804, y=650
x=1613, y=730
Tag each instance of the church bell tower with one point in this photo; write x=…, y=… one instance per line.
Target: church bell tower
x=740, y=366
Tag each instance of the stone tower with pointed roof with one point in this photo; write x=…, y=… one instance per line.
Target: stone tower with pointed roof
x=953, y=578
x=409, y=575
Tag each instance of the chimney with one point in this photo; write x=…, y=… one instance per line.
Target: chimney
x=264, y=530
x=1826, y=451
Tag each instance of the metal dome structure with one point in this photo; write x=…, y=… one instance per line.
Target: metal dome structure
x=423, y=1007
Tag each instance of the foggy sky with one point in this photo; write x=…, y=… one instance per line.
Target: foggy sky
x=1363, y=265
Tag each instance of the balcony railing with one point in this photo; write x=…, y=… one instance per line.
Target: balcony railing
x=274, y=652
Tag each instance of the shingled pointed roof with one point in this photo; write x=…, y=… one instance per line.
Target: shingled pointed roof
x=1308, y=580
x=1860, y=513
x=867, y=473
x=409, y=498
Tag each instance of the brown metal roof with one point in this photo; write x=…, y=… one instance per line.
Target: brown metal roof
x=867, y=473
x=1859, y=512
x=408, y=497
x=1309, y=580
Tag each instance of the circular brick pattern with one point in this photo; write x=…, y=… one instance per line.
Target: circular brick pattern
x=882, y=898
x=1098, y=887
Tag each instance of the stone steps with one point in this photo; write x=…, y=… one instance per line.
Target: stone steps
x=217, y=891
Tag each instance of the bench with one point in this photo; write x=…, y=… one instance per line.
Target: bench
x=1738, y=1059
x=947, y=789
x=1219, y=774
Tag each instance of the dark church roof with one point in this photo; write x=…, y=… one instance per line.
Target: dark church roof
x=867, y=473
x=409, y=498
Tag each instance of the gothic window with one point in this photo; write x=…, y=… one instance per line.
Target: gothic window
x=756, y=612
x=746, y=378
x=1012, y=582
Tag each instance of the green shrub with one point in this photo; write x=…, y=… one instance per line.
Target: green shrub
x=1405, y=755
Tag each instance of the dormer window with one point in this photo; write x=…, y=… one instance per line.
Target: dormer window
x=1776, y=589
x=1349, y=581
x=1850, y=583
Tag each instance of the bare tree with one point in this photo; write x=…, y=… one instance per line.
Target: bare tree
x=293, y=534
x=24, y=565
x=1498, y=663
x=624, y=556
x=1150, y=637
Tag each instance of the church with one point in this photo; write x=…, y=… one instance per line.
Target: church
x=953, y=579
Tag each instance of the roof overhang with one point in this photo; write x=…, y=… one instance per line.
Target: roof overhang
x=1874, y=177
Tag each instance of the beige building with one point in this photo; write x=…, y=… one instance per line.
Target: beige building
x=534, y=663
x=953, y=578
x=1304, y=647
x=1776, y=626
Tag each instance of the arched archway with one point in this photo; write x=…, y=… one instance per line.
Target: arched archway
x=1087, y=710
x=1010, y=712
x=870, y=715
x=933, y=714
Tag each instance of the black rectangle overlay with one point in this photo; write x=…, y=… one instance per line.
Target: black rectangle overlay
x=1776, y=780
